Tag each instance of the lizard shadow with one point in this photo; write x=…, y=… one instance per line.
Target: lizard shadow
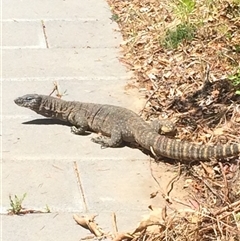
x=159, y=159
x=49, y=121
x=46, y=121
x=149, y=153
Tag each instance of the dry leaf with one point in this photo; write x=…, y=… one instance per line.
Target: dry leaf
x=187, y=182
x=218, y=131
x=208, y=169
x=122, y=236
x=88, y=222
x=153, y=218
x=195, y=218
x=153, y=194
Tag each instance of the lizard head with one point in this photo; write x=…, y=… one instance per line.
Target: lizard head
x=31, y=101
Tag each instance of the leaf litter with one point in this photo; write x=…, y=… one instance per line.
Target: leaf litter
x=185, y=56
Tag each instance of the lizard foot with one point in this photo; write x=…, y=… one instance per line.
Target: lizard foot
x=102, y=140
x=77, y=130
x=164, y=127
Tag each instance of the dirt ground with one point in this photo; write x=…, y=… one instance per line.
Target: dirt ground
x=185, y=56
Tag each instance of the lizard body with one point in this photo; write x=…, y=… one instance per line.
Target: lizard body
x=119, y=124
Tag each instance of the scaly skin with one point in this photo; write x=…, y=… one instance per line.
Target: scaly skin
x=120, y=125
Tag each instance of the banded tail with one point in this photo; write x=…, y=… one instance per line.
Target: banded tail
x=182, y=150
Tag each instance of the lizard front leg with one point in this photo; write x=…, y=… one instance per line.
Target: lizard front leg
x=80, y=124
x=113, y=141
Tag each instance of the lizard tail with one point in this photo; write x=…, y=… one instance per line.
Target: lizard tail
x=182, y=150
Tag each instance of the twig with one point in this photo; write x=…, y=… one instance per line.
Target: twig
x=229, y=213
x=207, y=73
x=206, y=184
x=219, y=227
x=57, y=89
x=209, y=227
x=114, y=223
x=232, y=205
x=174, y=179
x=151, y=171
x=226, y=191
x=54, y=88
x=181, y=202
x=153, y=93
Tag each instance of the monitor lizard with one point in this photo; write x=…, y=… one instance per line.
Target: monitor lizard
x=118, y=124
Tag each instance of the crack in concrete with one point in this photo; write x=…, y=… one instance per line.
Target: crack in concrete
x=45, y=34
x=80, y=185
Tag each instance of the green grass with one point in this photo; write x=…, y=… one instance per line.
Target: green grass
x=183, y=8
x=47, y=209
x=16, y=204
x=235, y=78
x=115, y=17
x=174, y=37
x=237, y=48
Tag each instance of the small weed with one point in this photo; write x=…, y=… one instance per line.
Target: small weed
x=115, y=17
x=174, y=37
x=233, y=9
x=184, y=7
x=16, y=204
x=47, y=209
x=237, y=217
x=235, y=78
x=237, y=48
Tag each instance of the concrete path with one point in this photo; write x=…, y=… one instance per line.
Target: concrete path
x=75, y=43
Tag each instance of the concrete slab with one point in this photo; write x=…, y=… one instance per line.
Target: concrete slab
x=57, y=142
x=116, y=185
x=61, y=63
x=61, y=226
x=71, y=9
x=102, y=91
x=29, y=35
x=89, y=34
x=42, y=227
x=17, y=135
x=51, y=183
x=69, y=173
x=105, y=220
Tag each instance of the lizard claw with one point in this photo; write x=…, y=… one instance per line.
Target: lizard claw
x=100, y=140
x=73, y=129
x=77, y=130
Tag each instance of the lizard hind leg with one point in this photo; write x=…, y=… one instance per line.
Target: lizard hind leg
x=164, y=127
x=114, y=141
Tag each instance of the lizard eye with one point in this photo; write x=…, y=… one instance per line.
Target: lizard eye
x=29, y=98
